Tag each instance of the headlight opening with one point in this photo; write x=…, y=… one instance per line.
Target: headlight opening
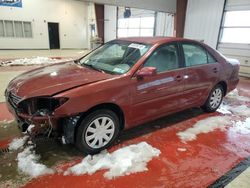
x=41, y=106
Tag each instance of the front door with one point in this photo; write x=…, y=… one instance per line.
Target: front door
x=53, y=30
x=156, y=95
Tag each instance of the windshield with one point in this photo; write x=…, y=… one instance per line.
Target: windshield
x=116, y=57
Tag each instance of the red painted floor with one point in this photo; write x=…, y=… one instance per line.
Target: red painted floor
x=206, y=159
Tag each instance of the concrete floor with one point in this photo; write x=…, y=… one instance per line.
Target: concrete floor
x=5, y=78
x=243, y=180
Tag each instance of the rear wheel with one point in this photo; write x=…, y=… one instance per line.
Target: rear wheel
x=97, y=131
x=214, y=100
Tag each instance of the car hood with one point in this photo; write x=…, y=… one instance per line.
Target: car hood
x=54, y=79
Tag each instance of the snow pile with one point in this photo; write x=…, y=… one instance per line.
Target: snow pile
x=31, y=126
x=245, y=123
x=204, y=126
x=18, y=143
x=242, y=126
x=6, y=121
x=28, y=163
x=32, y=61
x=241, y=110
x=234, y=95
x=124, y=161
x=224, y=108
x=230, y=107
x=182, y=149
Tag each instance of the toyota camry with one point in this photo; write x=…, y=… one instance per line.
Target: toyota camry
x=124, y=83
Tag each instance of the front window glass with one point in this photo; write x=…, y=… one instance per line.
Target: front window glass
x=116, y=57
x=164, y=59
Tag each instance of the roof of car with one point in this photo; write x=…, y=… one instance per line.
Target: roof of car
x=153, y=40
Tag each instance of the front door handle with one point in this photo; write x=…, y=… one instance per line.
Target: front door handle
x=178, y=78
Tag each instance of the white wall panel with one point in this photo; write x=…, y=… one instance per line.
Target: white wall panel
x=203, y=20
x=110, y=20
x=72, y=17
x=164, y=24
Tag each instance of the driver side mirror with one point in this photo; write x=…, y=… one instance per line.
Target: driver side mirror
x=145, y=72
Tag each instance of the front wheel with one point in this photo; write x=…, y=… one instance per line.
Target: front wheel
x=97, y=131
x=214, y=99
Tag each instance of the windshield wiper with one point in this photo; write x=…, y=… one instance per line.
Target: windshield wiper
x=77, y=61
x=93, y=67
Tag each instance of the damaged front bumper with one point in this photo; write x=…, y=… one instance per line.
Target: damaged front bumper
x=64, y=127
x=40, y=124
x=35, y=116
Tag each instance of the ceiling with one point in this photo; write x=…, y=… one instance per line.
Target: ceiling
x=156, y=5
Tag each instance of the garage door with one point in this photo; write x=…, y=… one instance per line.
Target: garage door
x=235, y=33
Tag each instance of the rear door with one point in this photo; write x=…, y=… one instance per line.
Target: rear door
x=201, y=73
x=155, y=95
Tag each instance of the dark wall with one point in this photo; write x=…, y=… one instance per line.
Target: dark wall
x=180, y=17
x=99, y=11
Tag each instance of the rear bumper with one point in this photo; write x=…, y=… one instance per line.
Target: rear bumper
x=232, y=84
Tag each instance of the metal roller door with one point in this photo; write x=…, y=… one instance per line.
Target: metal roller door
x=234, y=40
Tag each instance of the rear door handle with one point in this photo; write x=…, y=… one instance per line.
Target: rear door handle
x=215, y=70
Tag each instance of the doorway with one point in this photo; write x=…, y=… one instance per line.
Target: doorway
x=53, y=29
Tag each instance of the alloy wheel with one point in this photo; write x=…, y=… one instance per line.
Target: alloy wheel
x=216, y=98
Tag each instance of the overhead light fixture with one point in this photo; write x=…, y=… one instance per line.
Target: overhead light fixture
x=127, y=12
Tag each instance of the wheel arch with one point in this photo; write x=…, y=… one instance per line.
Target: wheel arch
x=224, y=86
x=79, y=118
x=110, y=106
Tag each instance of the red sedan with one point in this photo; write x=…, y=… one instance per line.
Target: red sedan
x=123, y=83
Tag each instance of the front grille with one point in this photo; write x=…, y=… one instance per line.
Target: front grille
x=14, y=99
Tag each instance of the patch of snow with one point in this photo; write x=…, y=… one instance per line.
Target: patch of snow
x=243, y=126
x=30, y=128
x=234, y=95
x=244, y=123
x=30, y=142
x=182, y=149
x=18, y=143
x=204, y=126
x=124, y=161
x=28, y=163
x=63, y=140
x=10, y=121
x=224, y=108
x=241, y=110
x=32, y=61
x=6, y=121
x=3, y=121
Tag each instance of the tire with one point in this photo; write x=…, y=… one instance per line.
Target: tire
x=214, y=99
x=97, y=131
